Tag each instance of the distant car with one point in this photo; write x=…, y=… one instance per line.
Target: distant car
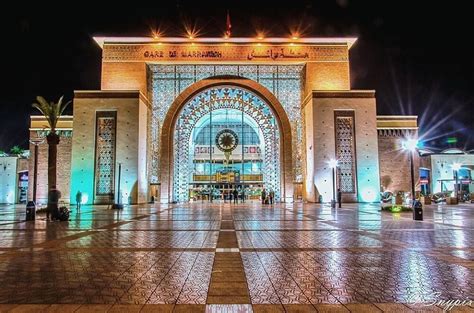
x=440, y=197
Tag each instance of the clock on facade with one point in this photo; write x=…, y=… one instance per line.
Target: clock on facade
x=226, y=140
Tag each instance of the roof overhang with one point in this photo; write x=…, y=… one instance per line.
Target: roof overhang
x=349, y=41
x=39, y=122
x=397, y=122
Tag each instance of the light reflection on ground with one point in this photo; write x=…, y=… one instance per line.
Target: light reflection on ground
x=290, y=254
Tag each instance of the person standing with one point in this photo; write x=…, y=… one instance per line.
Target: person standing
x=54, y=195
x=264, y=195
x=271, y=196
x=78, y=200
x=235, y=195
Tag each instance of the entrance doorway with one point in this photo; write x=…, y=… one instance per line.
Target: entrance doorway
x=226, y=138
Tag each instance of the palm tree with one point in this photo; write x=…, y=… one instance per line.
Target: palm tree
x=17, y=150
x=52, y=112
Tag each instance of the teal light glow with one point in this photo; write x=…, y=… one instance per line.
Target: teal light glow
x=82, y=178
x=368, y=194
x=84, y=198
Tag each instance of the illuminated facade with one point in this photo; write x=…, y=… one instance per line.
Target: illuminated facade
x=195, y=119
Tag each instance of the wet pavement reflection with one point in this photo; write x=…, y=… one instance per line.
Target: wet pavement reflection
x=279, y=255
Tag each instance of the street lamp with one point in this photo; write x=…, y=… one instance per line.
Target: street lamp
x=456, y=167
x=118, y=205
x=36, y=142
x=411, y=145
x=333, y=164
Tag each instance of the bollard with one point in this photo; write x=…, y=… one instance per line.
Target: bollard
x=417, y=211
x=30, y=211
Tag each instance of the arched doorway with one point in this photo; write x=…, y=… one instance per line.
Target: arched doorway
x=225, y=134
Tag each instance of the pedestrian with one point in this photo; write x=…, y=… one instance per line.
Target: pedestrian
x=78, y=200
x=339, y=197
x=271, y=196
x=53, y=199
x=264, y=196
x=111, y=200
x=235, y=195
x=243, y=195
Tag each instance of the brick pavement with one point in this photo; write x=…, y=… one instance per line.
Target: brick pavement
x=236, y=258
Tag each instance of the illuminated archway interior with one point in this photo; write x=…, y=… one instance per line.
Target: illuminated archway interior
x=225, y=138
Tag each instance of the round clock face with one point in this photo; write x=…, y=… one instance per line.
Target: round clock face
x=226, y=140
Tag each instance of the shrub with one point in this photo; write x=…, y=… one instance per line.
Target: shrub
x=397, y=208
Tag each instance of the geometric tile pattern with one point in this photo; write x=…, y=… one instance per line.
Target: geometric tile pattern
x=344, y=125
x=223, y=98
x=293, y=256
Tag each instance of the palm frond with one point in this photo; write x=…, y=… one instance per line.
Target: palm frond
x=52, y=111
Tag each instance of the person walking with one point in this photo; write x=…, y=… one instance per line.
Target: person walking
x=264, y=195
x=78, y=201
x=53, y=199
x=271, y=196
x=235, y=195
x=111, y=200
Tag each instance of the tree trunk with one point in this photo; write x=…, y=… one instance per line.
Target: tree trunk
x=53, y=141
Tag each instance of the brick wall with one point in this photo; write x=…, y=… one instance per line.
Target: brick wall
x=395, y=163
x=63, y=169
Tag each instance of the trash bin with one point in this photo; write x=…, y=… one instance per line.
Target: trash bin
x=417, y=211
x=30, y=211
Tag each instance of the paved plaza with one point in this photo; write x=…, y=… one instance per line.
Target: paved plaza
x=237, y=258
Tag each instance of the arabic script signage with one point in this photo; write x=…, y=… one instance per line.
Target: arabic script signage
x=247, y=53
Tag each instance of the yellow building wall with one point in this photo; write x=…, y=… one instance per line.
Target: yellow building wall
x=124, y=76
x=327, y=76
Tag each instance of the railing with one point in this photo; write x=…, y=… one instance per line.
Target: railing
x=243, y=178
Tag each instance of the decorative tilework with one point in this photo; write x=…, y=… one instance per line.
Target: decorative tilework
x=105, y=153
x=166, y=82
x=345, y=150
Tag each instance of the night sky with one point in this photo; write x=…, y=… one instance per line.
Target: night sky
x=417, y=55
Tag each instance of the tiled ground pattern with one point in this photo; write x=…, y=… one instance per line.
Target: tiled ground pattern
x=292, y=257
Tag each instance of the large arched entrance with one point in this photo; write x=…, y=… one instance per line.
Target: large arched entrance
x=225, y=134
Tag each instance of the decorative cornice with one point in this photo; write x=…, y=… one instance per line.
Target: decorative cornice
x=349, y=41
x=348, y=94
x=397, y=122
x=343, y=94
x=39, y=122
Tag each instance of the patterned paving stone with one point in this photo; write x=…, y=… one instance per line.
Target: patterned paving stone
x=293, y=257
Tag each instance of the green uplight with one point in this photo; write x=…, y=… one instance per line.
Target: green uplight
x=451, y=140
x=396, y=209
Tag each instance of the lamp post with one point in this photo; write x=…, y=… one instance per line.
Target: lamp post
x=411, y=145
x=118, y=205
x=36, y=142
x=333, y=164
x=456, y=167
